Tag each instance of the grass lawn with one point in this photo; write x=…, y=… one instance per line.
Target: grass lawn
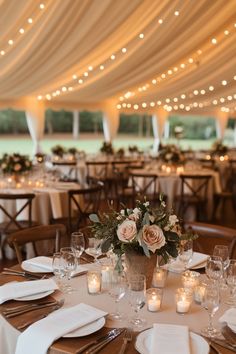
x=90, y=143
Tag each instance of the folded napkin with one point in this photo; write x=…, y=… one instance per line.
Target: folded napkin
x=57, y=324
x=169, y=339
x=230, y=318
x=19, y=289
x=198, y=259
x=42, y=264
x=55, y=200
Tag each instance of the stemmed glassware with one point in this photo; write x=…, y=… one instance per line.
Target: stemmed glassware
x=57, y=269
x=231, y=282
x=68, y=265
x=214, y=268
x=94, y=248
x=222, y=251
x=211, y=302
x=137, y=296
x=185, y=252
x=117, y=286
x=78, y=243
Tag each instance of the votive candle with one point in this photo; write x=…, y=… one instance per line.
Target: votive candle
x=154, y=299
x=94, y=282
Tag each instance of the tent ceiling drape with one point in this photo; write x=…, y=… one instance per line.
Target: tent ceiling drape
x=138, y=54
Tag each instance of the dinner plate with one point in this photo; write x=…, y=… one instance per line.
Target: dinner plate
x=198, y=344
x=34, y=296
x=36, y=268
x=199, y=266
x=88, y=329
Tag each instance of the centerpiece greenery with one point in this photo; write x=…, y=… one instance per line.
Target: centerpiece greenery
x=219, y=149
x=107, y=148
x=170, y=154
x=145, y=230
x=15, y=163
x=58, y=150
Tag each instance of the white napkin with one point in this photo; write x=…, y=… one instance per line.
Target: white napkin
x=198, y=258
x=230, y=318
x=18, y=289
x=38, y=337
x=169, y=339
x=42, y=263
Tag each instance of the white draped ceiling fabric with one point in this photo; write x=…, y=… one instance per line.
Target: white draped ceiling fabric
x=118, y=56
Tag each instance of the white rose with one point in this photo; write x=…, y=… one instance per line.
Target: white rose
x=126, y=231
x=173, y=220
x=153, y=237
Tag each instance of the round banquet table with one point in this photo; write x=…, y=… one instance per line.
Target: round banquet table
x=196, y=319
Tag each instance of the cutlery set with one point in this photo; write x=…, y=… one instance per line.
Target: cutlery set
x=8, y=271
x=96, y=345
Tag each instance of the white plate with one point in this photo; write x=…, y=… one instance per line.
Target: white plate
x=88, y=329
x=34, y=296
x=33, y=268
x=198, y=344
x=199, y=266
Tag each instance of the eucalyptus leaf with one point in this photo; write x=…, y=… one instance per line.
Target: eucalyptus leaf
x=146, y=220
x=94, y=218
x=106, y=245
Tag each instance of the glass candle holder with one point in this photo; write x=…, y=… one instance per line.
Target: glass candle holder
x=106, y=273
x=154, y=299
x=183, y=299
x=190, y=279
x=159, y=277
x=199, y=292
x=94, y=282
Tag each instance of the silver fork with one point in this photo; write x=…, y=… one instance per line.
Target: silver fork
x=127, y=338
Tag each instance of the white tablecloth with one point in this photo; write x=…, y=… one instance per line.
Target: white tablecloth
x=196, y=319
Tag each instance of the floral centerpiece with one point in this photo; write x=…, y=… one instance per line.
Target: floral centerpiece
x=15, y=163
x=120, y=152
x=39, y=157
x=72, y=151
x=171, y=154
x=107, y=148
x=143, y=231
x=219, y=149
x=58, y=150
x=133, y=149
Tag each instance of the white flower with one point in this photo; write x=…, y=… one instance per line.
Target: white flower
x=126, y=231
x=119, y=217
x=136, y=211
x=122, y=212
x=146, y=204
x=173, y=220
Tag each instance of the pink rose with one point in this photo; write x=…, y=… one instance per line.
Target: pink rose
x=153, y=237
x=126, y=231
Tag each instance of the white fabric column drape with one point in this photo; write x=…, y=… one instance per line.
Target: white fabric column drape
x=75, y=124
x=158, y=124
x=35, y=116
x=221, y=123
x=111, y=119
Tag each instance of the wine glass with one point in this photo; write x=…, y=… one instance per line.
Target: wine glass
x=78, y=243
x=214, y=268
x=69, y=264
x=222, y=251
x=185, y=252
x=211, y=302
x=231, y=282
x=94, y=248
x=137, y=296
x=117, y=285
x=57, y=269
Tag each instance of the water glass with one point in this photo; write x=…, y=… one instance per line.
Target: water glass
x=137, y=296
x=231, y=282
x=69, y=264
x=117, y=287
x=94, y=248
x=185, y=252
x=78, y=243
x=214, y=268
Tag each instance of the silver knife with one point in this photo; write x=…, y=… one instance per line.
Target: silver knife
x=96, y=341
x=223, y=344
x=23, y=273
x=99, y=346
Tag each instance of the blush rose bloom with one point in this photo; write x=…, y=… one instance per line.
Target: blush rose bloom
x=153, y=237
x=127, y=231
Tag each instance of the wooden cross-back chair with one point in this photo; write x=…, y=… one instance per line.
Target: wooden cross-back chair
x=145, y=185
x=19, y=218
x=81, y=203
x=210, y=235
x=97, y=170
x=37, y=236
x=194, y=193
